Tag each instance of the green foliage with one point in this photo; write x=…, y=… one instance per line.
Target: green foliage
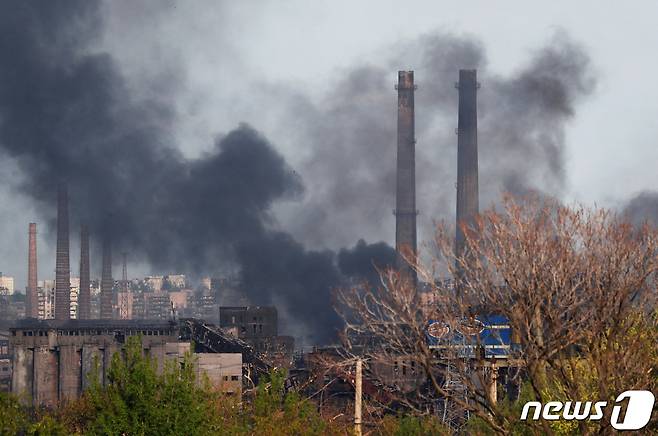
x=13, y=418
x=47, y=425
x=139, y=401
x=276, y=412
x=17, y=419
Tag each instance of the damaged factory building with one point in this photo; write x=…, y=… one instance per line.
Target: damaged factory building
x=54, y=360
x=258, y=326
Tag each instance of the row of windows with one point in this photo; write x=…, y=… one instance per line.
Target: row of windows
x=233, y=378
x=241, y=319
x=95, y=332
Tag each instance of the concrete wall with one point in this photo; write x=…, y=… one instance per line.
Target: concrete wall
x=91, y=357
x=45, y=376
x=70, y=371
x=251, y=321
x=22, y=371
x=223, y=370
x=53, y=364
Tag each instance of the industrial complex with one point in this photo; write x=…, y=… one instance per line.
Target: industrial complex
x=67, y=330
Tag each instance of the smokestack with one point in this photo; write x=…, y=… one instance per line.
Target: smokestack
x=84, y=297
x=467, y=156
x=62, y=265
x=107, y=283
x=405, y=211
x=32, y=300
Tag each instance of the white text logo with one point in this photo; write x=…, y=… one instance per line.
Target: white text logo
x=638, y=411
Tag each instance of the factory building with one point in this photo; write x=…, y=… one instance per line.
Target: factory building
x=5, y=357
x=52, y=359
x=6, y=284
x=258, y=326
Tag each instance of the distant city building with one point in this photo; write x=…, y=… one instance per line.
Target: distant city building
x=175, y=281
x=205, y=283
x=46, y=299
x=228, y=292
x=95, y=303
x=75, y=291
x=158, y=305
x=125, y=305
x=179, y=299
x=139, y=305
x=204, y=306
x=11, y=309
x=154, y=283
x=6, y=284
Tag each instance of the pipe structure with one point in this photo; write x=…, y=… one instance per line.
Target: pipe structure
x=107, y=282
x=405, y=203
x=62, y=265
x=32, y=298
x=467, y=158
x=84, y=297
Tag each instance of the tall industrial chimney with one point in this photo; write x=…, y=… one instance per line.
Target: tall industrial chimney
x=405, y=211
x=32, y=299
x=107, y=282
x=84, y=297
x=62, y=265
x=467, y=156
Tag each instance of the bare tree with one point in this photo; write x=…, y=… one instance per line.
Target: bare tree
x=560, y=299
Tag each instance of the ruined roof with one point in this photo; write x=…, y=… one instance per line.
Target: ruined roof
x=74, y=324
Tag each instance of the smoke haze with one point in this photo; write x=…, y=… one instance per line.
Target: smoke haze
x=68, y=114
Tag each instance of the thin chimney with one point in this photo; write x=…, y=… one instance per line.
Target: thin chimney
x=62, y=265
x=405, y=210
x=32, y=300
x=467, y=156
x=107, y=282
x=84, y=297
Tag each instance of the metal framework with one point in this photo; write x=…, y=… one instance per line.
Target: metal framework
x=125, y=291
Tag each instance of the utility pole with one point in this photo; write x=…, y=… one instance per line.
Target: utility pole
x=357, y=397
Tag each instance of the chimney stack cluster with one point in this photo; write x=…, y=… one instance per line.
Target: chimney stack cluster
x=62, y=266
x=63, y=272
x=467, y=167
x=405, y=211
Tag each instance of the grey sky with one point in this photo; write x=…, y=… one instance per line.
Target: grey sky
x=223, y=57
x=309, y=43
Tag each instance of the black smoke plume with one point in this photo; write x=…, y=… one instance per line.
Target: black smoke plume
x=67, y=113
x=363, y=261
